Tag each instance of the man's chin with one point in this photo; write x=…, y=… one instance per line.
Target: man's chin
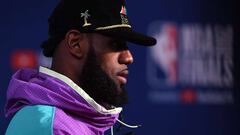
x=120, y=86
x=122, y=96
x=120, y=90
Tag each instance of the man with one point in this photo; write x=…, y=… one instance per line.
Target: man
x=83, y=92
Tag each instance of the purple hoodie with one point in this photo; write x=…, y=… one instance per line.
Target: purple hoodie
x=75, y=112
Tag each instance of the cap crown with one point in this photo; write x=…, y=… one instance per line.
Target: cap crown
x=88, y=15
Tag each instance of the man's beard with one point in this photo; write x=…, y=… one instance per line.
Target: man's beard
x=99, y=86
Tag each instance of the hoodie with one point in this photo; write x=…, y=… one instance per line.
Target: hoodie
x=48, y=103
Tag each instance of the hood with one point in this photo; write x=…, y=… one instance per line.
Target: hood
x=46, y=87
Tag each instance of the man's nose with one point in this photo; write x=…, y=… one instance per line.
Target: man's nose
x=125, y=57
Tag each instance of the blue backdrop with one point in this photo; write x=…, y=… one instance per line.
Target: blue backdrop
x=187, y=85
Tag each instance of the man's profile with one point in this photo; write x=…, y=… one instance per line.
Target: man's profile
x=83, y=91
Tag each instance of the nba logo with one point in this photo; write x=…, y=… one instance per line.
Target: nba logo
x=162, y=58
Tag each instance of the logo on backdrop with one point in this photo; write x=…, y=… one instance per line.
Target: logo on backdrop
x=24, y=58
x=164, y=54
x=27, y=58
x=191, y=63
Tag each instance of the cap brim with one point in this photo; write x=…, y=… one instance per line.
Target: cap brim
x=130, y=36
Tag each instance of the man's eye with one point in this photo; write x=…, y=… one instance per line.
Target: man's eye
x=119, y=46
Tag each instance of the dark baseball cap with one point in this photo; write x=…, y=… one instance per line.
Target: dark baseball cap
x=108, y=17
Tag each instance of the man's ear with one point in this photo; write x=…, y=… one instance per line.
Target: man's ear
x=76, y=43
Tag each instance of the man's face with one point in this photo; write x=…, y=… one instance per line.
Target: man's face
x=105, y=71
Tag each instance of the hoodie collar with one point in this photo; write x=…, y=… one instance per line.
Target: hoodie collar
x=80, y=91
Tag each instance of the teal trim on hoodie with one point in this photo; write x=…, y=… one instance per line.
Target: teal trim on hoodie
x=32, y=120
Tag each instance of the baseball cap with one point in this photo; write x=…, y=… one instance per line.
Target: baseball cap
x=108, y=17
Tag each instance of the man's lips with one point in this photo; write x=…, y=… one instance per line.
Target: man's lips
x=122, y=76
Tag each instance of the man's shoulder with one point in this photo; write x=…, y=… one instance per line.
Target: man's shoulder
x=37, y=119
x=67, y=123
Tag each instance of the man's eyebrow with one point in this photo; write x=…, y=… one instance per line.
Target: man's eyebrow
x=119, y=41
x=117, y=44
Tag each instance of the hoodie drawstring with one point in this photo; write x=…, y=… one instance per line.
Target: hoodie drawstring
x=112, y=130
x=127, y=125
